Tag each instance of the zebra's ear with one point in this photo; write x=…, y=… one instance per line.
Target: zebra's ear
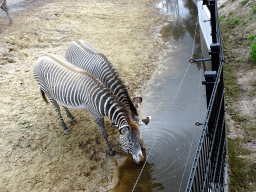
x=146, y=120
x=136, y=101
x=124, y=130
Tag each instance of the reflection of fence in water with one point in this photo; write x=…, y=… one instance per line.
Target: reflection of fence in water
x=208, y=168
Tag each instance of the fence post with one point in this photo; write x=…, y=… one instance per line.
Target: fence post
x=212, y=7
x=215, y=56
x=209, y=80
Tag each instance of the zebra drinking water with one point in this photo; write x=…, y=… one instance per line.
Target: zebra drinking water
x=84, y=56
x=3, y=6
x=76, y=88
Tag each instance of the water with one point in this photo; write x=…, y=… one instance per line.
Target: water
x=176, y=102
x=15, y=6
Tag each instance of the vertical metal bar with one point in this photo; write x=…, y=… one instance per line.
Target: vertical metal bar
x=215, y=54
x=213, y=19
x=209, y=80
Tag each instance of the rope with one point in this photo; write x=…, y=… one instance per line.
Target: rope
x=192, y=141
x=164, y=121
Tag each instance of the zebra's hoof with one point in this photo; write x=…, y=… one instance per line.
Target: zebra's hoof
x=112, y=153
x=66, y=131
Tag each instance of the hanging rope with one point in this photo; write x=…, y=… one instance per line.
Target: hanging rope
x=164, y=121
x=192, y=141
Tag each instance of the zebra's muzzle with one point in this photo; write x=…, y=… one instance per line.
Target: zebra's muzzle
x=139, y=158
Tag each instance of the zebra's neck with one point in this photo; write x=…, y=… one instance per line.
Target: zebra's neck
x=116, y=111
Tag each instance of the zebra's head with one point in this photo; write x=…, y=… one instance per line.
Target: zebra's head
x=131, y=143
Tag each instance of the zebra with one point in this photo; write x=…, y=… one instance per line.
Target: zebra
x=83, y=55
x=3, y=6
x=73, y=87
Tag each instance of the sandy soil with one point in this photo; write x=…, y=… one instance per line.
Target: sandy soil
x=35, y=155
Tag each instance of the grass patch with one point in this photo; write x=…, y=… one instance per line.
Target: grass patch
x=222, y=5
x=231, y=12
x=254, y=7
x=241, y=171
x=251, y=37
x=252, y=93
x=231, y=87
x=253, y=51
x=222, y=17
x=238, y=118
x=244, y=2
x=234, y=21
x=243, y=22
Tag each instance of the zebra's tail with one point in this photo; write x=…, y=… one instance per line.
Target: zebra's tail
x=43, y=95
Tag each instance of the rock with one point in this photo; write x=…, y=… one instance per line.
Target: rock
x=12, y=49
x=12, y=60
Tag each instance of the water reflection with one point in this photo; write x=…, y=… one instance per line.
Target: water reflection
x=182, y=24
x=128, y=174
x=170, y=7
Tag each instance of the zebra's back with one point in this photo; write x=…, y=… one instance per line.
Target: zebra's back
x=83, y=55
x=69, y=85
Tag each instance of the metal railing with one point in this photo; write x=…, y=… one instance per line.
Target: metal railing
x=208, y=168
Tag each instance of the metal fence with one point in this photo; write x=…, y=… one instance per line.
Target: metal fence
x=208, y=168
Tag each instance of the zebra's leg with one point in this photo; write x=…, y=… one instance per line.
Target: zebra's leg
x=99, y=120
x=69, y=114
x=5, y=8
x=10, y=20
x=57, y=109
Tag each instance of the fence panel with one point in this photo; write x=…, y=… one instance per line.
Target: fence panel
x=208, y=169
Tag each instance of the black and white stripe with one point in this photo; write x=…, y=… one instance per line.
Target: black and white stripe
x=84, y=56
x=75, y=88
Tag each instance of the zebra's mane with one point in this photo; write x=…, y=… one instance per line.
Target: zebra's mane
x=87, y=47
x=66, y=64
x=73, y=68
x=134, y=126
x=124, y=108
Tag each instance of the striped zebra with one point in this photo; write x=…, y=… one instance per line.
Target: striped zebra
x=84, y=56
x=3, y=6
x=72, y=87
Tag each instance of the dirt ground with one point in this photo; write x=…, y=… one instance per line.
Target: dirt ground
x=35, y=155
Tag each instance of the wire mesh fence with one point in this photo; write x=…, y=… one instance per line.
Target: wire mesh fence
x=208, y=168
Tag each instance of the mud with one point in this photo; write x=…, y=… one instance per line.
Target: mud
x=35, y=155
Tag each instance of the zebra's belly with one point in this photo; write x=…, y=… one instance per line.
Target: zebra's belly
x=75, y=107
x=72, y=105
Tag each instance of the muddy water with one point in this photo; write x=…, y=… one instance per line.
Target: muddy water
x=175, y=98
